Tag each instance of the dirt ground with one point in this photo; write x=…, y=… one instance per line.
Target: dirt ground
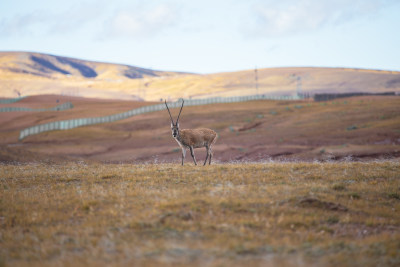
x=356, y=128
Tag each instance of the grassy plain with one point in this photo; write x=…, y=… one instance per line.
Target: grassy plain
x=264, y=214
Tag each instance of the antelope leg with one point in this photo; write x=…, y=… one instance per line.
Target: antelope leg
x=208, y=152
x=183, y=154
x=192, y=153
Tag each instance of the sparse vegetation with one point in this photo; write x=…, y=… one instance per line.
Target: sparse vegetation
x=339, y=187
x=394, y=195
x=264, y=214
x=352, y=127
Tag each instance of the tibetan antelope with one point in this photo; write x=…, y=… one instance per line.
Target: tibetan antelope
x=192, y=138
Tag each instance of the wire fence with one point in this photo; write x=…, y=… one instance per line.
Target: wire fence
x=70, y=124
x=64, y=106
x=11, y=100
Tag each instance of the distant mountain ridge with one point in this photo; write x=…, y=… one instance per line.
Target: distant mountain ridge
x=82, y=68
x=45, y=65
x=29, y=73
x=26, y=73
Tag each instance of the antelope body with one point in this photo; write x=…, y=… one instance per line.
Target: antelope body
x=193, y=138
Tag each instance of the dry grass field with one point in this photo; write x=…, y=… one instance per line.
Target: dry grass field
x=264, y=214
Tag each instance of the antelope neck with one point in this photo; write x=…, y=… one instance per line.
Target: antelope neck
x=178, y=136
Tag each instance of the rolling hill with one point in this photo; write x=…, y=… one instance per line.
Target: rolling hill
x=25, y=73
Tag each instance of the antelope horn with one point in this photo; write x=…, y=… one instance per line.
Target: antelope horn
x=169, y=112
x=180, y=112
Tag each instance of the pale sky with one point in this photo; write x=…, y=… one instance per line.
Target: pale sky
x=208, y=36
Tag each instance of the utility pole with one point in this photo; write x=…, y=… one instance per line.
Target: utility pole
x=141, y=91
x=256, y=79
x=299, y=87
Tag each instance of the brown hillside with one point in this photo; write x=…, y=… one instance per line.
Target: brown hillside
x=362, y=127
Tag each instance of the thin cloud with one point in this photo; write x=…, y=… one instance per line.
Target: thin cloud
x=77, y=17
x=142, y=23
x=285, y=17
x=21, y=24
x=42, y=22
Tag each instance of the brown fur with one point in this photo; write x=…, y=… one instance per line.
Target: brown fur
x=198, y=137
x=195, y=138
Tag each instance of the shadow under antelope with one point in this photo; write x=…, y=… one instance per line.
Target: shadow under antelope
x=192, y=138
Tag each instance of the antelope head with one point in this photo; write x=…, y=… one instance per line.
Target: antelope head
x=174, y=126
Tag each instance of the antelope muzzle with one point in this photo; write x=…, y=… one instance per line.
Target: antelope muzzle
x=174, y=132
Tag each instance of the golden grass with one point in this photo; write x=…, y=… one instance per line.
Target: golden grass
x=265, y=214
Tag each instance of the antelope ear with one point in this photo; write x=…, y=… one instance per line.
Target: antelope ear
x=172, y=125
x=177, y=124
